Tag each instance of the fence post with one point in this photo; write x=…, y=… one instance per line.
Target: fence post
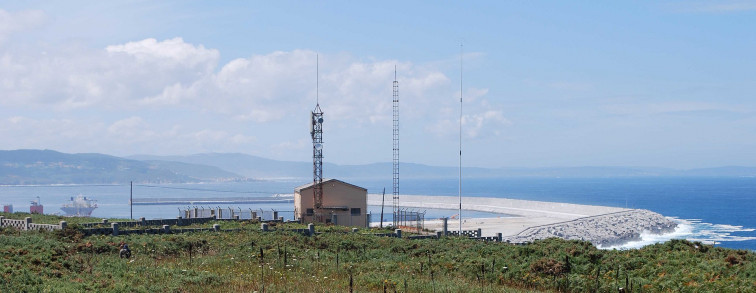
x=446, y=226
x=114, y=226
x=264, y=227
x=275, y=215
x=367, y=220
x=398, y=233
x=179, y=221
x=216, y=227
x=281, y=219
x=355, y=230
x=104, y=221
x=311, y=229
x=63, y=225
x=27, y=223
x=498, y=237
x=438, y=234
x=479, y=233
x=254, y=215
x=166, y=229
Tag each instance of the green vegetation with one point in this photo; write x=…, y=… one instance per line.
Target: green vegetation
x=282, y=261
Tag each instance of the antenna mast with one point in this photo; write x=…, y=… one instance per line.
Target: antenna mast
x=460, y=138
x=396, y=149
x=316, y=132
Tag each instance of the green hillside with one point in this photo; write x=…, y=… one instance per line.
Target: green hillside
x=283, y=261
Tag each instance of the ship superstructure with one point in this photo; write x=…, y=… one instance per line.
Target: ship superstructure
x=79, y=206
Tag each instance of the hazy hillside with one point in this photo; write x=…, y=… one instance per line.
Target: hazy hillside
x=51, y=167
x=257, y=167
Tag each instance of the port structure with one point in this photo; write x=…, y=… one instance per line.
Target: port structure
x=396, y=151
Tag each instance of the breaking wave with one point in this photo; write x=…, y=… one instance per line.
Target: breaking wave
x=692, y=230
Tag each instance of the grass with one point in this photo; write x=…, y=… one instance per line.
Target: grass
x=281, y=261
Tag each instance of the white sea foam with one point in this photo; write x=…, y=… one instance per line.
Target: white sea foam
x=692, y=230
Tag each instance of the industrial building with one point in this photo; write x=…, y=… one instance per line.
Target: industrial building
x=342, y=204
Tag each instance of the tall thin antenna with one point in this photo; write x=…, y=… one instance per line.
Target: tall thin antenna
x=396, y=150
x=316, y=132
x=460, y=138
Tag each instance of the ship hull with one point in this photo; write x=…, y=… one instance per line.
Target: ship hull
x=79, y=212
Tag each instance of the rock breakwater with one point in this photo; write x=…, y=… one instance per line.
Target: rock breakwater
x=603, y=230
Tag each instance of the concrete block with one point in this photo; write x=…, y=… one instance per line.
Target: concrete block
x=63, y=225
x=355, y=230
x=264, y=227
x=398, y=233
x=104, y=221
x=311, y=229
x=216, y=227
x=27, y=223
x=166, y=229
x=114, y=226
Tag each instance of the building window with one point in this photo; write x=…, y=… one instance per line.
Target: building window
x=355, y=211
x=310, y=212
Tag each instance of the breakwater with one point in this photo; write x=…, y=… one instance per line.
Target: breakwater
x=525, y=221
x=602, y=230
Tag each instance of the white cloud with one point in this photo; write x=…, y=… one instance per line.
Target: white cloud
x=480, y=119
x=12, y=22
x=128, y=87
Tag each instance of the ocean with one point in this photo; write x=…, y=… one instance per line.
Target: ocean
x=714, y=210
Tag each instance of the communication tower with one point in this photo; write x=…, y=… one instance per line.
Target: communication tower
x=396, y=149
x=316, y=132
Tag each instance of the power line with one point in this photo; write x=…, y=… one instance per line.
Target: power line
x=210, y=190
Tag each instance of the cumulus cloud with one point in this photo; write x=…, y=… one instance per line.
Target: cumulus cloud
x=120, y=83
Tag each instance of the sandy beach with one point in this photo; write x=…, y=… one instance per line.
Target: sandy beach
x=526, y=220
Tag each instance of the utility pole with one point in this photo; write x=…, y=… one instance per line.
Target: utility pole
x=131, y=199
x=383, y=201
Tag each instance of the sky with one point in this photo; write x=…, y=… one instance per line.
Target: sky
x=543, y=84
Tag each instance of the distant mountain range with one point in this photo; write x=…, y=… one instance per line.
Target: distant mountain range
x=26, y=167
x=51, y=167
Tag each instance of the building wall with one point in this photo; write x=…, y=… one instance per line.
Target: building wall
x=335, y=194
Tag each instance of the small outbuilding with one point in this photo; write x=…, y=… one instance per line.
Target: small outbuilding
x=343, y=204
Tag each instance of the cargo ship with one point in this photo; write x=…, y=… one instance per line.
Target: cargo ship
x=36, y=207
x=79, y=206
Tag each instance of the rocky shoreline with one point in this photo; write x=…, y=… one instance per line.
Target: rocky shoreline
x=602, y=230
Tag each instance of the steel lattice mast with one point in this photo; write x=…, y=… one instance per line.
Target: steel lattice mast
x=316, y=132
x=396, y=149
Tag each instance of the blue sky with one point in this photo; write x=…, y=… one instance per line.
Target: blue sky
x=664, y=84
